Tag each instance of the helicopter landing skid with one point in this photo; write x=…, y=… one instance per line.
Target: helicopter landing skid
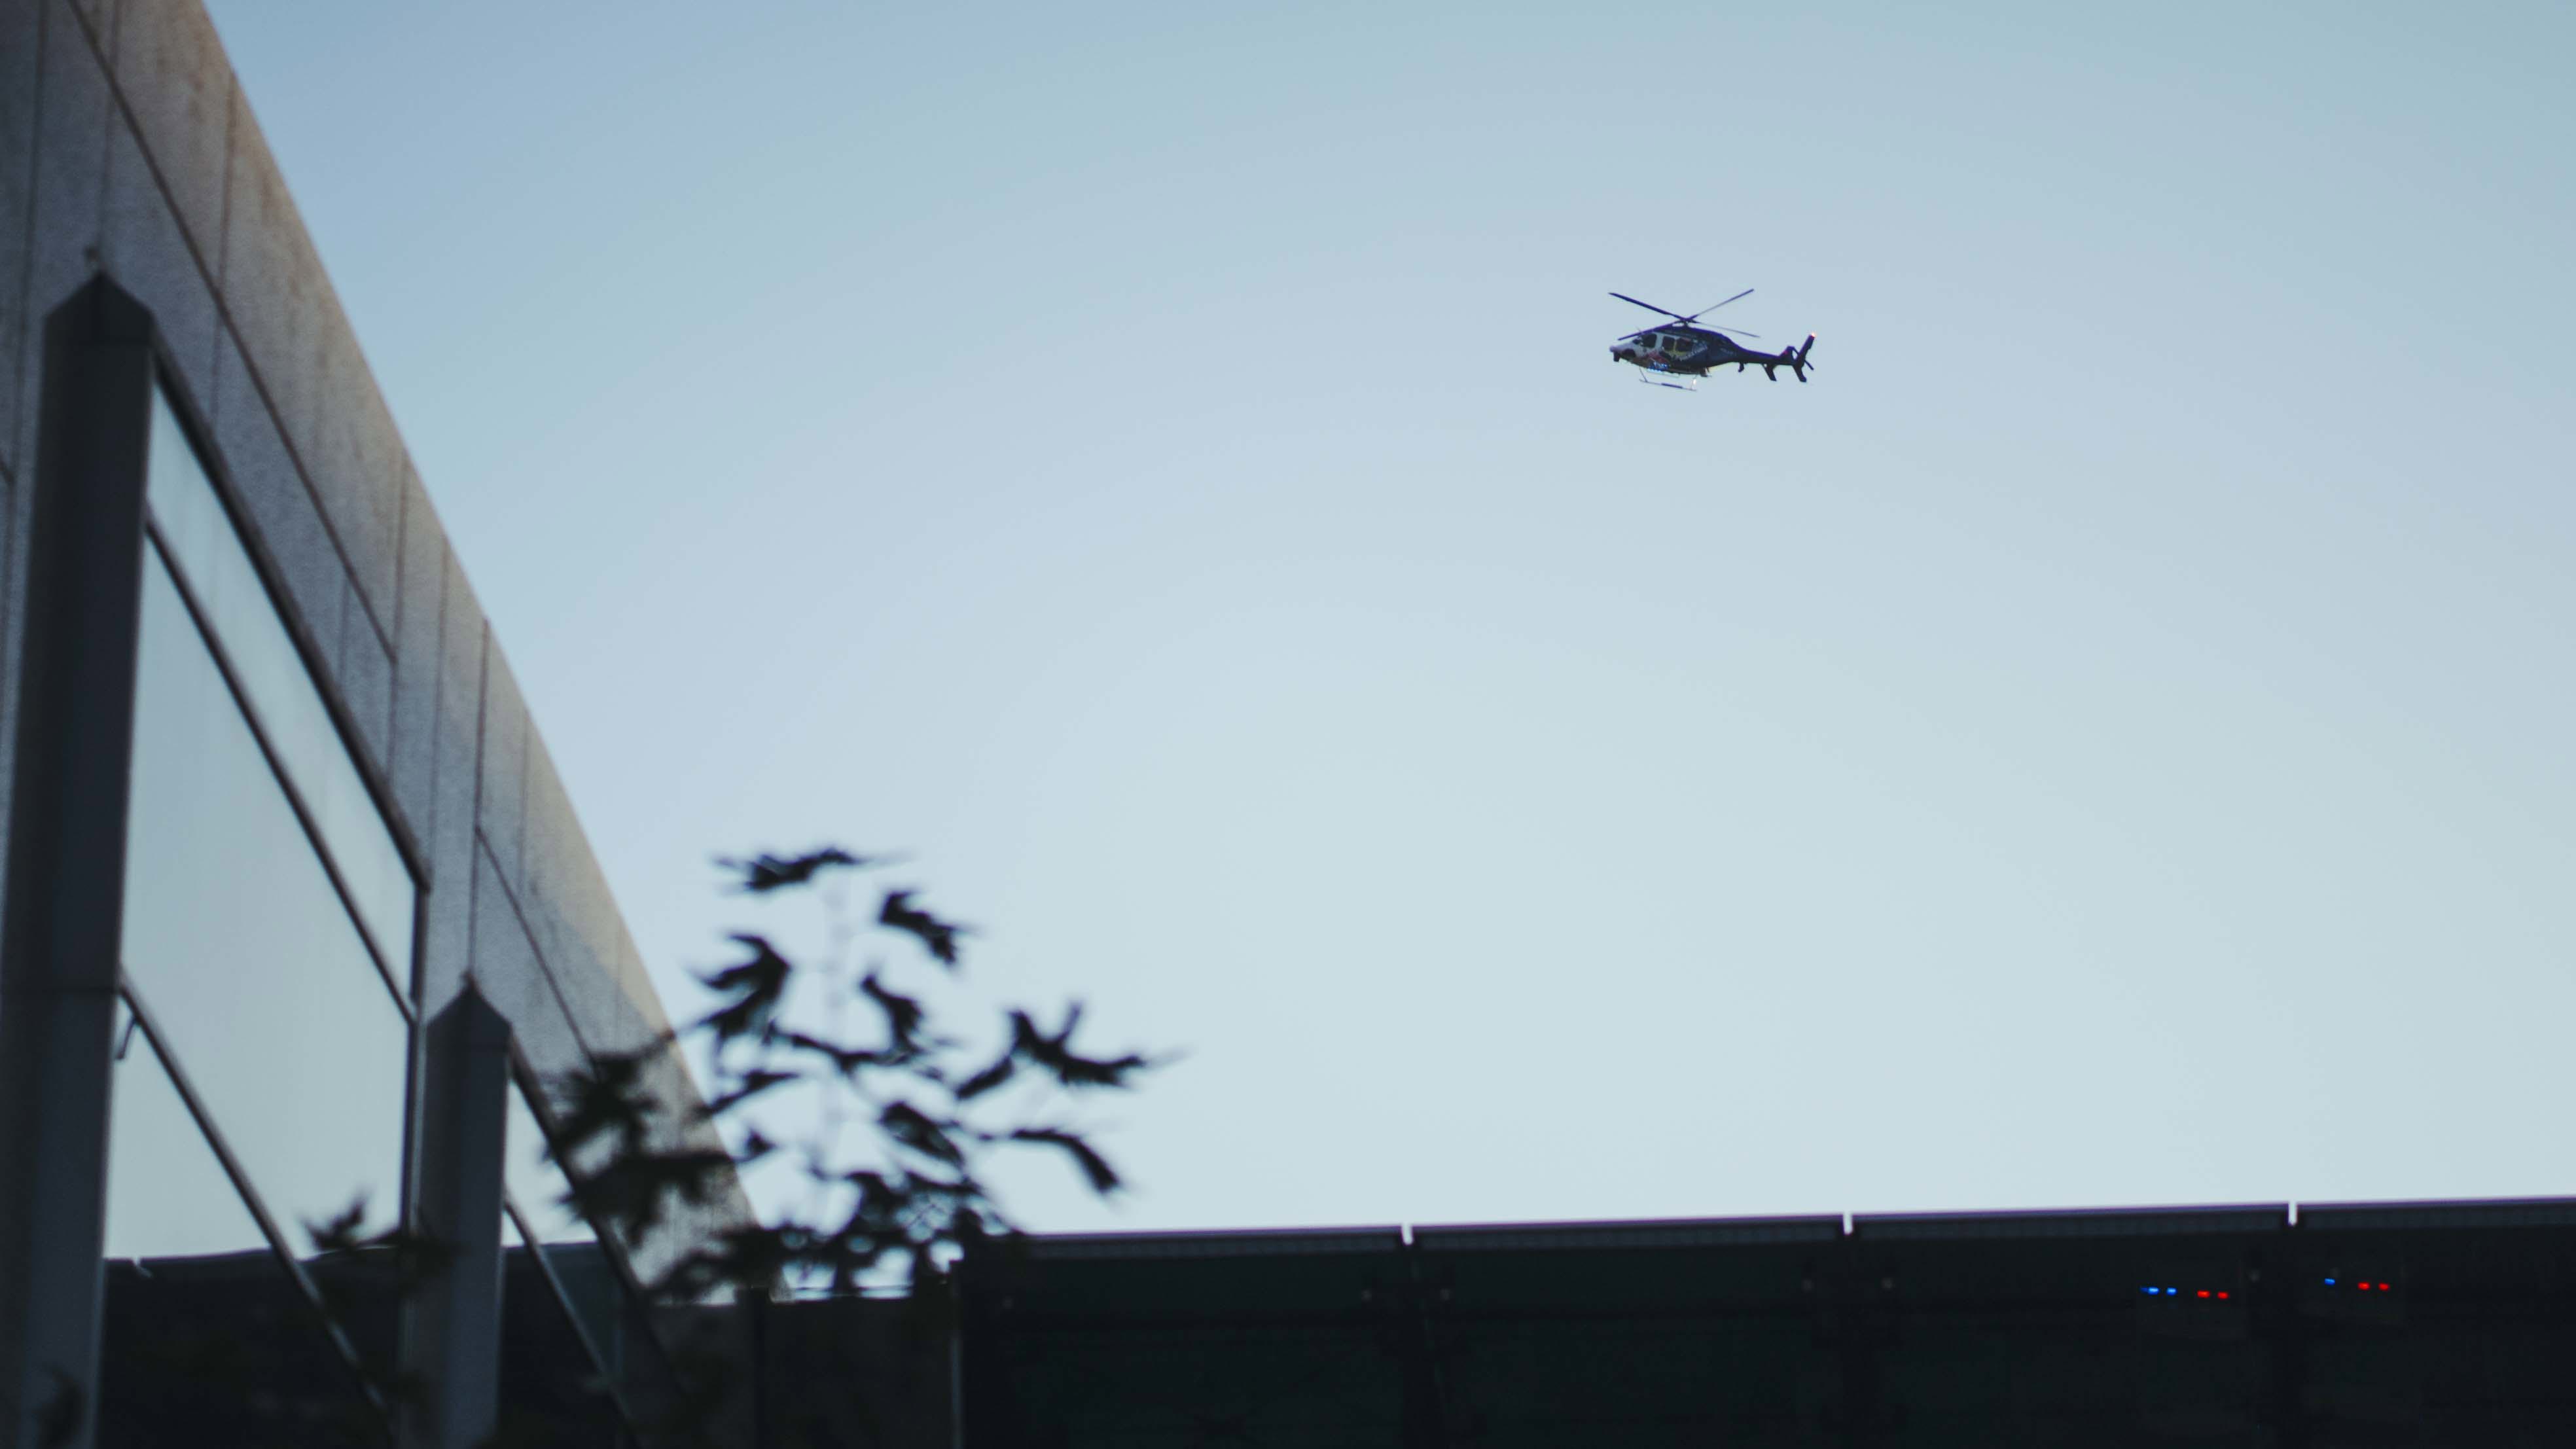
x=1683, y=381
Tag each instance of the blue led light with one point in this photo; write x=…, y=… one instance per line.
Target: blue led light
x=2171, y=1292
x=2330, y=1282
x=2151, y=1293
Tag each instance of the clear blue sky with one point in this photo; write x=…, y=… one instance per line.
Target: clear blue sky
x=2108, y=740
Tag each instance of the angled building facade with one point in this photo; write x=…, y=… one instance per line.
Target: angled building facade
x=299, y=922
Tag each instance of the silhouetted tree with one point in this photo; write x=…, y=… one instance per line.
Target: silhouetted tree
x=889, y=1207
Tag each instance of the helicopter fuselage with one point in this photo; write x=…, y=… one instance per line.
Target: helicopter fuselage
x=1690, y=352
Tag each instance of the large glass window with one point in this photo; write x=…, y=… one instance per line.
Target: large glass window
x=197, y=537
x=536, y=1183
x=537, y=1189
x=554, y=1390
x=267, y=924
x=167, y=1193
x=245, y=954
x=561, y=1289
x=206, y=1339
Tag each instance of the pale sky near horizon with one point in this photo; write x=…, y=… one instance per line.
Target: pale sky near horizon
x=2102, y=742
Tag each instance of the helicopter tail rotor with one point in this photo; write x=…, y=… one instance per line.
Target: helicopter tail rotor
x=1797, y=357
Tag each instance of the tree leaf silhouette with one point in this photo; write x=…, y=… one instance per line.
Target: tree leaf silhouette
x=749, y=1085
x=1004, y=1067
x=756, y=985
x=339, y=1233
x=910, y=1127
x=1056, y=1054
x=605, y=1099
x=937, y=936
x=1103, y=1177
x=844, y=1059
x=764, y=872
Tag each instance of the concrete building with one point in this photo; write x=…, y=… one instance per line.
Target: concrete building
x=296, y=911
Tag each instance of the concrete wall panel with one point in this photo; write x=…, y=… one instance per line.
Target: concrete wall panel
x=145, y=251
x=456, y=771
x=417, y=618
x=283, y=518
x=366, y=682
x=356, y=462
x=178, y=86
x=272, y=284
x=22, y=48
x=668, y=1078
x=575, y=919
x=505, y=958
x=600, y=978
x=22, y=25
x=99, y=16
x=66, y=199
x=503, y=813
x=300, y=347
x=507, y=972
x=609, y=1020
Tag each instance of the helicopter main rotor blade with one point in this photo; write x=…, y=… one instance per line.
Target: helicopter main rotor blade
x=1710, y=326
x=1651, y=307
x=1711, y=307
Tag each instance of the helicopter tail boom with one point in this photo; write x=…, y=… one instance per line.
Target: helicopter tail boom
x=1792, y=358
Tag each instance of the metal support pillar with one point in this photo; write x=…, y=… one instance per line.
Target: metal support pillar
x=60, y=932
x=453, y=1336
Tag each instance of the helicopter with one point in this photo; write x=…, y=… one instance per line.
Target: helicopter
x=1687, y=348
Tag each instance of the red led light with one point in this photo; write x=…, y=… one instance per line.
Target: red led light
x=2222, y=1295
x=2204, y=1292
x=2383, y=1287
x=2364, y=1287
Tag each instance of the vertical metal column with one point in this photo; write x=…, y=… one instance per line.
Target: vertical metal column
x=60, y=931
x=452, y=1340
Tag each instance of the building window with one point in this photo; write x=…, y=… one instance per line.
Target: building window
x=195, y=537
x=563, y=1303
x=536, y=1183
x=205, y=1337
x=244, y=953
x=267, y=934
